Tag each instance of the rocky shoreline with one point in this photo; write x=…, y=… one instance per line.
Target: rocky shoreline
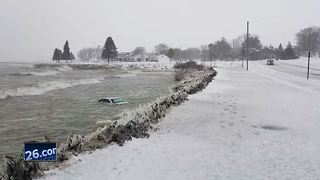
x=124, y=66
x=132, y=124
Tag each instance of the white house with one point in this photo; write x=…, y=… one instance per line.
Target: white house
x=163, y=59
x=124, y=56
x=142, y=57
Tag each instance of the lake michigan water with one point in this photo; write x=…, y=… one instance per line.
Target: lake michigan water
x=55, y=101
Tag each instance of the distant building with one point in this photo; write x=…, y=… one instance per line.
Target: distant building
x=141, y=57
x=163, y=59
x=153, y=58
x=124, y=56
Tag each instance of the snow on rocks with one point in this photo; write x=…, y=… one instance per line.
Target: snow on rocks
x=19, y=169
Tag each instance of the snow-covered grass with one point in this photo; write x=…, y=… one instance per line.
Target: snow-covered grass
x=256, y=124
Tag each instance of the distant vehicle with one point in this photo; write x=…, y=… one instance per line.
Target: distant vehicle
x=113, y=100
x=270, y=62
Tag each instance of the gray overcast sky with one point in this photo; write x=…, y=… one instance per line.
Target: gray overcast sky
x=31, y=29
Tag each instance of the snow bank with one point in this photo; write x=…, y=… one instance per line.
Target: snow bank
x=134, y=123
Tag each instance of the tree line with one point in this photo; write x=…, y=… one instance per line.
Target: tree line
x=66, y=55
x=307, y=39
x=108, y=52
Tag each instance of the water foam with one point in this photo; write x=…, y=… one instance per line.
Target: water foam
x=44, y=87
x=124, y=75
x=44, y=73
x=35, y=73
x=63, y=68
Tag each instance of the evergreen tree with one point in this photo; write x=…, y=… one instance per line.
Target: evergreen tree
x=280, y=52
x=254, y=43
x=212, y=52
x=243, y=52
x=72, y=57
x=223, y=48
x=280, y=47
x=170, y=53
x=66, y=55
x=289, y=52
x=57, y=55
x=109, y=50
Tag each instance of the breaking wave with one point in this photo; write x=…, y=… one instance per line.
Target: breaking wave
x=124, y=75
x=63, y=68
x=27, y=65
x=44, y=73
x=34, y=73
x=42, y=88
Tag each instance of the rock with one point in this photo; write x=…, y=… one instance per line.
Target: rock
x=19, y=170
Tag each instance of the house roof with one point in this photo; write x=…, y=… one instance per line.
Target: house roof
x=123, y=54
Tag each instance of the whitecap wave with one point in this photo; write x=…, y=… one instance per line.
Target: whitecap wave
x=63, y=68
x=44, y=73
x=27, y=65
x=46, y=87
x=35, y=73
x=124, y=75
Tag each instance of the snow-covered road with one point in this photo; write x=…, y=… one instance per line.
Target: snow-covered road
x=258, y=124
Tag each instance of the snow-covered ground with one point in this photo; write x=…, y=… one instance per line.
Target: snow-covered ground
x=258, y=124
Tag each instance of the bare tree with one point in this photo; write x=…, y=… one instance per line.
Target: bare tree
x=237, y=46
x=89, y=54
x=139, y=50
x=212, y=53
x=308, y=39
x=161, y=49
x=204, y=53
x=97, y=53
x=170, y=54
x=191, y=54
x=177, y=54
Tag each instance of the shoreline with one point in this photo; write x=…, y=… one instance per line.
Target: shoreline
x=77, y=92
x=135, y=123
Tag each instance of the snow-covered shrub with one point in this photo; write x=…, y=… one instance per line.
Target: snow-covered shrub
x=189, y=65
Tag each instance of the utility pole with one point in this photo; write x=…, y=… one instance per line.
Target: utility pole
x=309, y=54
x=233, y=52
x=247, y=54
x=180, y=55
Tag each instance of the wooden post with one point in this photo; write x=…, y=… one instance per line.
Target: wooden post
x=309, y=54
x=247, y=45
x=242, y=62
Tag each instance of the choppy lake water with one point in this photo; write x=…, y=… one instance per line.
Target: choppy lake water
x=52, y=102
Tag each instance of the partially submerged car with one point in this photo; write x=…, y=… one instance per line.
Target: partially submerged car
x=270, y=62
x=113, y=100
